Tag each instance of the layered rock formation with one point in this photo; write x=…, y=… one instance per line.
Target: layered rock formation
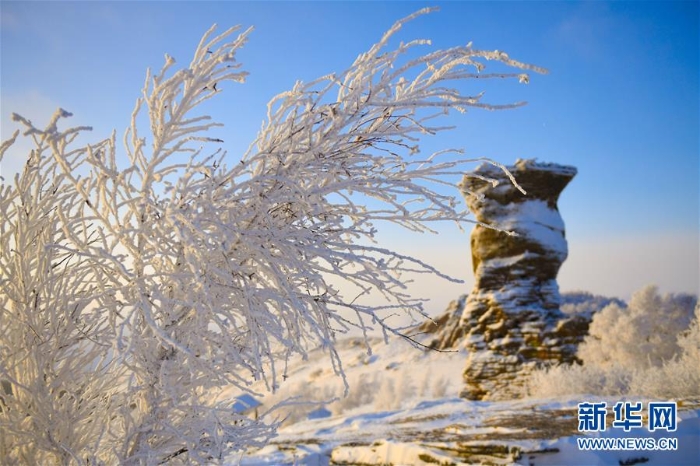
x=511, y=321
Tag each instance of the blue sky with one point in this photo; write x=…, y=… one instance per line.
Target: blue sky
x=620, y=103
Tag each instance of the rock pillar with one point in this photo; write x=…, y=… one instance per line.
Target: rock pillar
x=511, y=322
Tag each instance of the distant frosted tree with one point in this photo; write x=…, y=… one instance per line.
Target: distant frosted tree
x=689, y=341
x=679, y=377
x=645, y=333
x=650, y=347
x=135, y=288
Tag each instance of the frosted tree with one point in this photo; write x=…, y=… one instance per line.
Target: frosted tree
x=136, y=287
x=677, y=378
x=642, y=334
x=650, y=347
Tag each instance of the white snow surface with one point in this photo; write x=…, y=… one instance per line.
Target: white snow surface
x=535, y=220
x=429, y=426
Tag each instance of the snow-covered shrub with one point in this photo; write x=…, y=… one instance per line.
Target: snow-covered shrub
x=136, y=287
x=643, y=334
x=394, y=389
x=439, y=389
x=675, y=379
x=386, y=397
x=363, y=392
x=294, y=402
x=431, y=386
x=423, y=389
x=574, y=379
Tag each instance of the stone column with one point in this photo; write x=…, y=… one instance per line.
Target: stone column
x=511, y=322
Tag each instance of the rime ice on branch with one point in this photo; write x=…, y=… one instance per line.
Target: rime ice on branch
x=205, y=275
x=511, y=320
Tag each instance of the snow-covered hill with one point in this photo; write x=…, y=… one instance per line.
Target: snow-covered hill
x=403, y=409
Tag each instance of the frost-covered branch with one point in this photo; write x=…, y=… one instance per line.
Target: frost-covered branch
x=57, y=372
x=178, y=276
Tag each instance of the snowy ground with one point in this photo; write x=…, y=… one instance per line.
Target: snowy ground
x=403, y=410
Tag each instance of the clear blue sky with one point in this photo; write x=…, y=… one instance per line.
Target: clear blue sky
x=620, y=103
